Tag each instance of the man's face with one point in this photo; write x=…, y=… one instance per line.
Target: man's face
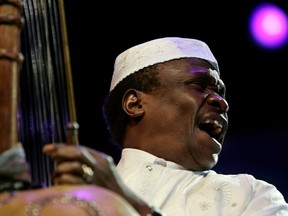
x=188, y=115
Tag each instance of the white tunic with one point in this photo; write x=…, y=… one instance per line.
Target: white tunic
x=179, y=192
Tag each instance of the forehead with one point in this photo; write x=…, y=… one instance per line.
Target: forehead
x=190, y=66
x=211, y=75
x=197, y=65
x=184, y=69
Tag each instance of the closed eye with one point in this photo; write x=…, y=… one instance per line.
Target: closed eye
x=199, y=84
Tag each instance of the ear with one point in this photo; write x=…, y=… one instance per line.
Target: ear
x=131, y=103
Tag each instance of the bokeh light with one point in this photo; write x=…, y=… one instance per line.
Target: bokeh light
x=269, y=26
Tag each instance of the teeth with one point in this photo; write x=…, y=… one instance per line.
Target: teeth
x=217, y=127
x=218, y=124
x=218, y=130
x=214, y=122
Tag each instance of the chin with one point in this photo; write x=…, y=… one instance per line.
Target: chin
x=209, y=164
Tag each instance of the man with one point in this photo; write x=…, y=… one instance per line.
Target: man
x=167, y=110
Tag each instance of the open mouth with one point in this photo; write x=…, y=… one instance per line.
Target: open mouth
x=214, y=126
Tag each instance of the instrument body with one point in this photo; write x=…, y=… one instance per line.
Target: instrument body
x=78, y=200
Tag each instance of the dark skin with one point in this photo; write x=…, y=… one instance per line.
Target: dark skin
x=183, y=121
x=190, y=95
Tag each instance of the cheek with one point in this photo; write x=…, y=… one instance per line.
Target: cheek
x=180, y=118
x=186, y=108
x=176, y=108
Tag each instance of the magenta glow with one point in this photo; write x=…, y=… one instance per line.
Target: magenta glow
x=269, y=26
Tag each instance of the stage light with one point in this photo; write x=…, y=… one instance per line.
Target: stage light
x=269, y=26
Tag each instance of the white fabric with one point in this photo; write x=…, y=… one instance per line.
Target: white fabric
x=180, y=192
x=157, y=51
x=13, y=164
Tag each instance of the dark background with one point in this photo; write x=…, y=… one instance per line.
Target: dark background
x=255, y=78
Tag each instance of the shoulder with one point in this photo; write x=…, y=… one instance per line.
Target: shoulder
x=239, y=180
x=247, y=185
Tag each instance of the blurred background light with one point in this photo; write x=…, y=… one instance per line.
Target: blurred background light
x=269, y=26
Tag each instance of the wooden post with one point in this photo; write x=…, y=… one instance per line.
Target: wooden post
x=10, y=63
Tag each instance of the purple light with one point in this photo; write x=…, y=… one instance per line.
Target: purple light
x=269, y=26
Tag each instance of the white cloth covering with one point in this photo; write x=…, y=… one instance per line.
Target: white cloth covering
x=180, y=192
x=158, y=51
x=13, y=164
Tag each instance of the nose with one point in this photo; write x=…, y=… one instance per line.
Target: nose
x=218, y=101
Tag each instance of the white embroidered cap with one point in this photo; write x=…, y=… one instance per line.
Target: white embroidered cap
x=158, y=51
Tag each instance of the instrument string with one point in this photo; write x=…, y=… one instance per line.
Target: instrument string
x=44, y=86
